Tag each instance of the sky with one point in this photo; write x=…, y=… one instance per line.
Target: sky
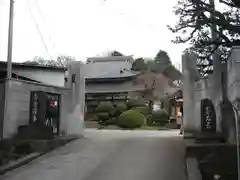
x=86, y=28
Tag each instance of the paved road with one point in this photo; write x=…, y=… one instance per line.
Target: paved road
x=110, y=155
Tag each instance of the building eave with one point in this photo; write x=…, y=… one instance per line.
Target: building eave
x=3, y=65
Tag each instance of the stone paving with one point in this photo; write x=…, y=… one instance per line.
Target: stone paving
x=110, y=155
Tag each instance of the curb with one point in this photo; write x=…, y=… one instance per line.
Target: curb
x=19, y=162
x=27, y=159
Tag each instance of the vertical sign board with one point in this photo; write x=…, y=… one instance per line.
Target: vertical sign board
x=37, y=106
x=208, y=116
x=45, y=108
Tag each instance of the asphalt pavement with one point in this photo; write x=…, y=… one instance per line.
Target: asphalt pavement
x=110, y=155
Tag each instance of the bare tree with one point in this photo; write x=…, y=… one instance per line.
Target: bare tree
x=60, y=61
x=156, y=87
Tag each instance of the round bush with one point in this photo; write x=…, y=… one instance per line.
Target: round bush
x=104, y=107
x=131, y=119
x=149, y=120
x=119, y=109
x=92, y=103
x=160, y=116
x=103, y=116
x=135, y=103
x=143, y=110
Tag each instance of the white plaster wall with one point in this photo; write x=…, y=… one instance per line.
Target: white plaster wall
x=46, y=76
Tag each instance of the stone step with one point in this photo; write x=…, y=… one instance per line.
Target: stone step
x=209, y=137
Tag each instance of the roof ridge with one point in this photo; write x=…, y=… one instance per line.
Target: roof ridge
x=109, y=59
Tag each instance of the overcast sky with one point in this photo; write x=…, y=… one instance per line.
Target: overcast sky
x=84, y=28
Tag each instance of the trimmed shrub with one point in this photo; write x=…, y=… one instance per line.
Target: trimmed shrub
x=131, y=119
x=135, y=103
x=119, y=109
x=104, y=107
x=92, y=103
x=143, y=110
x=91, y=117
x=103, y=116
x=149, y=120
x=111, y=121
x=160, y=116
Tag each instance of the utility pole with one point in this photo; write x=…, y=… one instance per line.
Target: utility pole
x=10, y=40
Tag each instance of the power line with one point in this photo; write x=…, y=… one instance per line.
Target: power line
x=44, y=20
x=38, y=29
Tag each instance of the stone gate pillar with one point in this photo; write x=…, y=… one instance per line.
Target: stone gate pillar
x=76, y=98
x=190, y=75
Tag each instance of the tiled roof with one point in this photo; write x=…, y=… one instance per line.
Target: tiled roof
x=110, y=59
x=3, y=65
x=109, y=67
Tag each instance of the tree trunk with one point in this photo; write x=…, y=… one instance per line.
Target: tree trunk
x=150, y=105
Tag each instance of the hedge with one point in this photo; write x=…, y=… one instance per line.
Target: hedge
x=119, y=109
x=135, y=103
x=143, y=110
x=103, y=116
x=131, y=119
x=104, y=107
x=160, y=116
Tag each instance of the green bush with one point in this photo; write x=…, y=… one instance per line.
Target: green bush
x=104, y=107
x=103, y=116
x=135, y=103
x=149, y=120
x=131, y=119
x=92, y=103
x=119, y=109
x=111, y=121
x=160, y=116
x=143, y=110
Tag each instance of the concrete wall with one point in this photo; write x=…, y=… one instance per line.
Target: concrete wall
x=17, y=104
x=197, y=89
x=46, y=76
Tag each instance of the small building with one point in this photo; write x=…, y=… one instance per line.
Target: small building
x=39, y=73
x=109, y=79
x=32, y=85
